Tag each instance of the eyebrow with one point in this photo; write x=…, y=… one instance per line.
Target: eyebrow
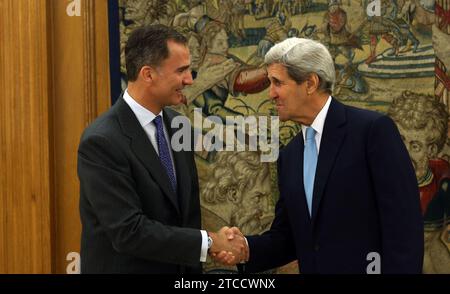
x=184, y=67
x=274, y=79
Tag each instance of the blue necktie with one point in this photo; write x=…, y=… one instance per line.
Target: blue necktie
x=164, y=155
x=309, y=165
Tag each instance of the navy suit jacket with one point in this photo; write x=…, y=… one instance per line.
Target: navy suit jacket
x=365, y=199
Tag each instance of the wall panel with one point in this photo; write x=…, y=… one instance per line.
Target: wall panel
x=54, y=76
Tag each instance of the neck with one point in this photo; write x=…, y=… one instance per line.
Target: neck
x=315, y=104
x=142, y=96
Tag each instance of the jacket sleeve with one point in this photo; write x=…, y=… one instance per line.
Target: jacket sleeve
x=397, y=198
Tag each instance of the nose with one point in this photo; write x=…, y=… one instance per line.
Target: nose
x=272, y=92
x=187, y=79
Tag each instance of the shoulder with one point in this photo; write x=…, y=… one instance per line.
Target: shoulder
x=102, y=124
x=359, y=118
x=361, y=114
x=377, y=128
x=105, y=127
x=292, y=146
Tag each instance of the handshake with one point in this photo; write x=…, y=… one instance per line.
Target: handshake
x=229, y=246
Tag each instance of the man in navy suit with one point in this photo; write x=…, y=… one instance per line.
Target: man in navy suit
x=349, y=201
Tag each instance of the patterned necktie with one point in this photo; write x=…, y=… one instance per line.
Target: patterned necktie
x=309, y=165
x=164, y=155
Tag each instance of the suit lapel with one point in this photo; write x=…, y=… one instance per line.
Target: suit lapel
x=334, y=132
x=142, y=147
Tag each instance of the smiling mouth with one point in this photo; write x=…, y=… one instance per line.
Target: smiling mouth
x=183, y=98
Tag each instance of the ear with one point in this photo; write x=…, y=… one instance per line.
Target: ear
x=147, y=73
x=432, y=150
x=233, y=196
x=312, y=83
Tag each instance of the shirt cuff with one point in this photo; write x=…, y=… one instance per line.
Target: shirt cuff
x=246, y=242
x=204, y=249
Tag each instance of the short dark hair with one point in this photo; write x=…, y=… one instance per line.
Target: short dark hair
x=147, y=45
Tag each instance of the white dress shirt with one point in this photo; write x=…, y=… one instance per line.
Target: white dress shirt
x=318, y=124
x=145, y=118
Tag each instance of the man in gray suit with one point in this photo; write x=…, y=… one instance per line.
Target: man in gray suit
x=139, y=202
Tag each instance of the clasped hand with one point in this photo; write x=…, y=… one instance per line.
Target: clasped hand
x=229, y=246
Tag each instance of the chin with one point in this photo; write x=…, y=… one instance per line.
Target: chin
x=176, y=100
x=282, y=117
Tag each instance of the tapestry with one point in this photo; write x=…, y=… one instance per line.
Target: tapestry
x=390, y=56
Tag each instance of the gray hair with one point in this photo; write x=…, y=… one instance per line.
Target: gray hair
x=303, y=57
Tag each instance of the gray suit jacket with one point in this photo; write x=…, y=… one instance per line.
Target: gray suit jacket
x=132, y=222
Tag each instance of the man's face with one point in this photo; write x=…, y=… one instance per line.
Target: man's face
x=256, y=209
x=219, y=44
x=286, y=134
x=133, y=11
x=289, y=97
x=172, y=76
x=418, y=149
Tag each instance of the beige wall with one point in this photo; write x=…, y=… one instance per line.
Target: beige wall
x=54, y=75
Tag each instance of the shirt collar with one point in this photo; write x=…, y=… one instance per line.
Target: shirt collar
x=319, y=121
x=143, y=115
